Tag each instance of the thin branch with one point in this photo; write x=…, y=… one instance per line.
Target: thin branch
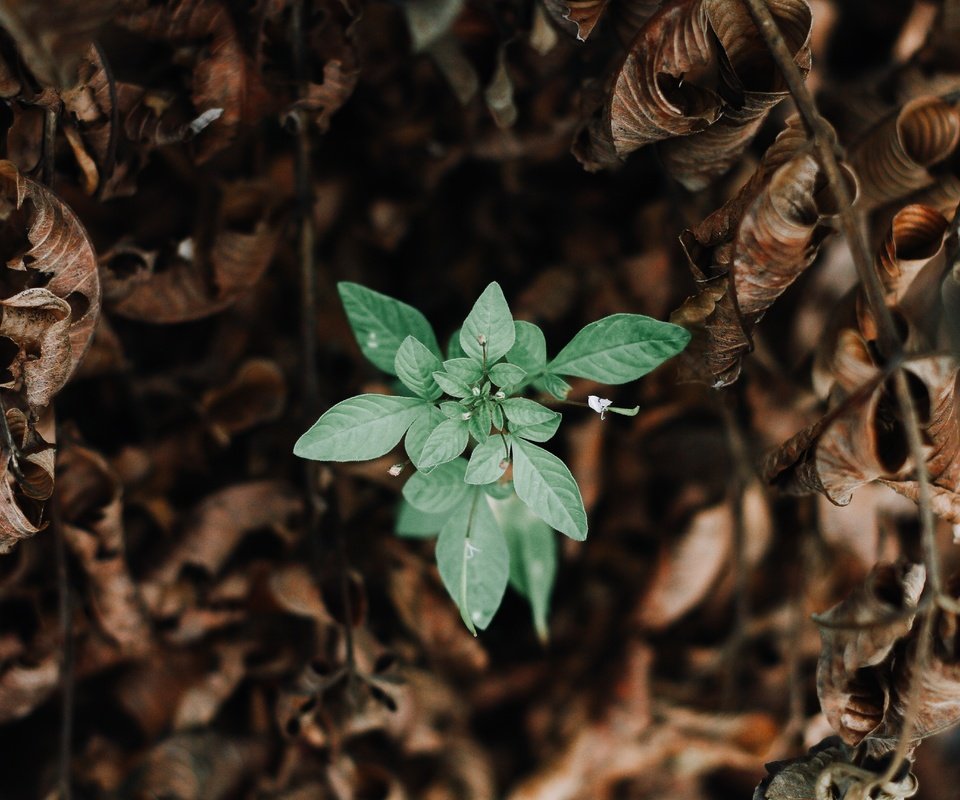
x=66, y=656
x=317, y=505
x=51, y=116
x=889, y=343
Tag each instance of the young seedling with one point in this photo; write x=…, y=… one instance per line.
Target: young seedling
x=482, y=482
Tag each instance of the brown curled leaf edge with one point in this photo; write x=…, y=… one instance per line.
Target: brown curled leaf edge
x=748, y=252
x=50, y=305
x=868, y=661
x=861, y=436
x=893, y=159
x=698, y=78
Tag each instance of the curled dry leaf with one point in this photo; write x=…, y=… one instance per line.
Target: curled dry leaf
x=53, y=36
x=829, y=765
x=577, y=17
x=751, y=87
x=695, y=562
x=666, y=84
x=198, y=766
x=915, y=237
x=92, y=510
x=858, y=635
x=22, y=496
x=892, y=160
x=938, y=704
x=256, y=394
x=88, y=121
x=219, y=523
x=747, y=253
x=629, y=16
x=700, y=75
x=51, y=323
x=24, y=686
x=194, y=282
x=322, y=100
x=223, y=77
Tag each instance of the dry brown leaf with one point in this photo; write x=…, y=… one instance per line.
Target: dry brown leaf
x=92, y=509
x=223, y=78
x=858, y=635
x=53, y=35
x=195, y=282
x=576, y=17
x=666, y=85
x=24, y=686
x=752, y=87
x=53, y=323
x=915, y=237
x=892, y=160
x=198, y=766
x=257, y=393
x=692, y=565
x=221, y=521
x=748, y=252
x=21, y=497
x=322, y=100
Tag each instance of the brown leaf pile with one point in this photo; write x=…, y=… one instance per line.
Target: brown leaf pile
x=205, y=619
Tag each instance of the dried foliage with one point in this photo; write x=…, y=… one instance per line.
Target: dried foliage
x=183, y=184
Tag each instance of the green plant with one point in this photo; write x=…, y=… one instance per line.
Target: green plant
x=491, y=530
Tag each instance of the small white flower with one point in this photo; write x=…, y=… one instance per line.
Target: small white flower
x=395, y=470
x=599, y=404
x=481, y=339
x=500, y=395
x=476, y=391
x=471, y=550
x=466, y=415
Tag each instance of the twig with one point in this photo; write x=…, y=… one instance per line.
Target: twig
x=737, y=489
x=889, y=343
x=66, y=655
x=308, y=340
x=51, y=114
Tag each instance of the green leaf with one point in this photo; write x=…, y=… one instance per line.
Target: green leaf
x=454, y=350
x=489, y=321
x=381, y=323
x=439, y=491
x=474, y=562
x=487, y=462
x=452, y=386
x=507, y=375
x=545, y=484
x=419, y=431
x=529, y=349
x=413, y=523
x=451, y=410
x=553, y=384
x=497, y=420
x=522, y=411
x=541, y=432
x=480, y=421
x=498, y=490
x=414, y=365
x=464, y=369
x=359, y=428
x=447, y=441
x=533, y=557
x=620, y=348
